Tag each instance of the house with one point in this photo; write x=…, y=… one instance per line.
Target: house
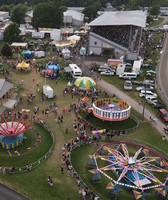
x=7, y=97
x=73, y=18
x=28, y=17
x=4, y=15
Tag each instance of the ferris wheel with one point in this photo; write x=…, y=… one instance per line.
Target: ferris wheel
x=133, y=166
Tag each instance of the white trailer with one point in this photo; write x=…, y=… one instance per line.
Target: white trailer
x=137, y=66
x=39, y=54
x=48, y=91
x=38, y=35
x=76, y=71
x=120, y=69
x=66, y=54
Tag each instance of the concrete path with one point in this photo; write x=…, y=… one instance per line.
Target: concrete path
x=162, y=73
x=9, y=194
x=111, y=89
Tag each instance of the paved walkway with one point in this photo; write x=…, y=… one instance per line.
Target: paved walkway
x=111, y=89
x=9, y=194
x=162, y=73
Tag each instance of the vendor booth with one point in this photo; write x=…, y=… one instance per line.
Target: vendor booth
x=66, y=53
x=52, y=70
x=27, y=54
x=23, y=66
x=48, y=91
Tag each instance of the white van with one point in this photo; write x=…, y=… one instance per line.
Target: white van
x=147, y=93
x=76, y=71
x=127, y=75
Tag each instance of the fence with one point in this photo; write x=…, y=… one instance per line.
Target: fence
x=37, y=162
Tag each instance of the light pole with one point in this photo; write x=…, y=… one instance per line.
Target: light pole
x=143, y=109
x=83, y=53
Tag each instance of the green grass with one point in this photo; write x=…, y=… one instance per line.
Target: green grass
x=156, y=22
x=79, y=160
x=28, y=156
x=122, y=125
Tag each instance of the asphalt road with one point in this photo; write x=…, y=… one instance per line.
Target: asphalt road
x=111, y=89
x=162, y=73
x=9, y=194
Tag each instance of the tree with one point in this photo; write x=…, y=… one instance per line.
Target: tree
x=91, y=10
x=5, y=8
x=155, y=10
x=47, y=15
x=6, y=50
x=12, y=33
x=18, y=13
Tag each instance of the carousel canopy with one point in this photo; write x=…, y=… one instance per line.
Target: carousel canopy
x=85, y=82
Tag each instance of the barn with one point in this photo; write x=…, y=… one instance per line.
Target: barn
x=117, y=32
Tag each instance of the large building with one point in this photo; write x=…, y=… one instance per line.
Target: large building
x=118, y=32
x=73, y=18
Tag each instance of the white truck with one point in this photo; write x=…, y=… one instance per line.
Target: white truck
x=39, y=54
x=48, y=91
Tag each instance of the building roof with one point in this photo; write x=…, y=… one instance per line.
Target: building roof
x=75, y=15
x=136, y=18
x=5, y=86
x=79, y=9
x=29, y=13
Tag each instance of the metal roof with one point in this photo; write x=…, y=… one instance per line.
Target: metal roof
x=136, y=18
x=75, y=15
x=5, y=86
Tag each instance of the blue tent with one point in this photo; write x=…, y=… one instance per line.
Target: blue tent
x=53, y=66
x=27, y=54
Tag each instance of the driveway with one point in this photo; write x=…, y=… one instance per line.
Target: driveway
x=111, y=90
x=162, y=73
x=9, y=194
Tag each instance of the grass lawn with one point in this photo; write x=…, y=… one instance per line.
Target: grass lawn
x=122, y=125
x=34, y=184
x=156, y=22
x=145, y=135
x=28, y=156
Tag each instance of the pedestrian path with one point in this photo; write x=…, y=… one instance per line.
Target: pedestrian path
x=111, y=89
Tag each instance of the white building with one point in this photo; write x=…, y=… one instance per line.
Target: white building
x=73, y=18
x=4, y=15
x=28, y=17
x=116, y=31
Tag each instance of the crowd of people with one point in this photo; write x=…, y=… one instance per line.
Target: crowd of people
x=118, y=34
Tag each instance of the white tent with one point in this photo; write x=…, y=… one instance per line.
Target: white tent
x=74, y=37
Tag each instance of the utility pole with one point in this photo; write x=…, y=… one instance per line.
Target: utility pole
x=143, y=110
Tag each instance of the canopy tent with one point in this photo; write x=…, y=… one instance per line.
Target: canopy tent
x=23, y=65
x=74, y=37
x=53, y=66
x=10, y=104
x=19, y=44
x=85, y=99
x=26, y=54
x=85, y=82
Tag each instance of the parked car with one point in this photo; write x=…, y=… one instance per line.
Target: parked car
x=149, y=82
x=128, y=75
x=157, y=105
x=107, y=73
x=128, y=85
x=151, y=100
x=163, y=113
x=145, y=93
x=147, y=87
x=147, y=65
